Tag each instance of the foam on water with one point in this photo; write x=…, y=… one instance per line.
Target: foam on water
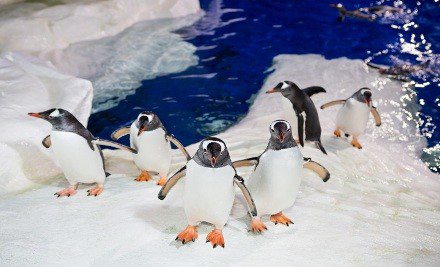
x=381, y=205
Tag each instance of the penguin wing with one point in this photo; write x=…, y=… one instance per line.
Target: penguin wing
x=46, y=142
x=179, y=145
x=376, y=116
x=171, y=182
x=238, y=180
x=300, y=128
x=314, y=90
x=246, y=162
x=333, y=103
x=120, y=132
x=320, y=170
x=102, y=142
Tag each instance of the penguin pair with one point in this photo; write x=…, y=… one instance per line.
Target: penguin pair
x=77, y=151
x=353, y=116
x=152, y=142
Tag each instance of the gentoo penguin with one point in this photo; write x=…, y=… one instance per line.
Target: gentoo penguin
x=351, y=13
x=353, y=116
x=152, y=142
x=209, y=190
x=76, y=150
x=303, y=104
x=275, y=181
x=402, y=71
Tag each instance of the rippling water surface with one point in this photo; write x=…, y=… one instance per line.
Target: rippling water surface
x=237, y=40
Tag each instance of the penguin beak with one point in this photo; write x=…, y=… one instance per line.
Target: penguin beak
x=141, y=130
x=36, y=115
x=281, y=137
x=213, y=161
x=273, y=90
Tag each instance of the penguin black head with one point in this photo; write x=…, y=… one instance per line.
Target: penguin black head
x=147, y=121
x=213, y=153
x=56, y=116
x=285, y=88
x=280, y=131
x=363, y=95
x=338, y=6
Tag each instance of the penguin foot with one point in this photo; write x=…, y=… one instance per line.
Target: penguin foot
x=70, y=191
x=337, y=133
x=280, y=218
x=258, y=226
x=95, y=191
x=144, y=176
x=216, y=238
x=356, y=143
x=189, y=234
x=162, y=181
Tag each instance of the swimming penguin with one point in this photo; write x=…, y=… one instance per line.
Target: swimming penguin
x=76, y=150
x=353, y=116
x=351, y=13
x=303, y=104
x=209, y=190
x=152, y=142
x=275, y=181
x=402, y=71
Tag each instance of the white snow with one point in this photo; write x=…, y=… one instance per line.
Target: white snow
x=380, y=207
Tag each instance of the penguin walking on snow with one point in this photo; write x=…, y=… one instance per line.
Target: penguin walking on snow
x=303, y=104
x=353, y=116
x=275, y=181
x=209, y=190
x=76, y=150
x=152, y=142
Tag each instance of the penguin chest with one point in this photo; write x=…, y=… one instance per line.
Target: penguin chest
x=154, y=151
x=275, y=182
x=77, y=160
x=209, y=193
x=353, y=116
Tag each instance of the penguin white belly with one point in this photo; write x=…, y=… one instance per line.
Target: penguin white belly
x=209, y=194
x=274, y=184
x=77, y=160
x=154, y=151
x=353, y=116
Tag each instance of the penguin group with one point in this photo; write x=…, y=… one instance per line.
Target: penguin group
x=210, y=173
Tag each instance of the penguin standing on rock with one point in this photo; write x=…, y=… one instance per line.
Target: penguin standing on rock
x=303, y=104
x=209, y=190
x=152, y=142
x=275, y=181
x=353, y=116
x=76, y=150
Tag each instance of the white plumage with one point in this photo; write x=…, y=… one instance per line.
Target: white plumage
x=352, y=117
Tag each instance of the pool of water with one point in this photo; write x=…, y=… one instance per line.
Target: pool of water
x=236, y=42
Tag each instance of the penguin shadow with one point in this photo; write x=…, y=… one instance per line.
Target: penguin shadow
x=335, y=144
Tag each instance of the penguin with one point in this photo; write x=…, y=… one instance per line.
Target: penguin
x=303, y=104
x=151, y=140
x=76, y=150
x=402, y=72
x=382, y=10
x=351, y=13
x=353, y=116
x=209, y=190
x=274, y=183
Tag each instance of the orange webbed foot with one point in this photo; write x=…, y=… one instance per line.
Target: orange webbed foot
x=144, y=176
x=258, y=226
x=189, y=234
x=337, y=133
x=356, y=143
x=216, y=238
x=280, y=218
x=95, y=191
x=67, y=192
x=162, y=181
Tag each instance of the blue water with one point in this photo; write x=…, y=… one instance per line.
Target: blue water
x=237, y=41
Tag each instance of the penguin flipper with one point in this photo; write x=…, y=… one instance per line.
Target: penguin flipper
x=102, y=142
x=301, y=129
x=317, y=168
x=46, y=142
x=179, y=145
x=247, y=195
x=120, y=132
x=333, y=103
x=314, y=90
x=171, y=182
x=376, y=116
x=320, y=146
x=246, y=162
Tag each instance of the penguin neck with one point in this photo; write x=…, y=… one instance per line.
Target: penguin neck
x=275, y=144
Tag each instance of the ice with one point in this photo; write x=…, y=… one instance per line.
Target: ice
x=31, y=85
x=380, y=207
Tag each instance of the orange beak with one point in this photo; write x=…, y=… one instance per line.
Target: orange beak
x=213, y=161
x=36, y=115
x=281, y=137
x=273, y=90
x=141, y=130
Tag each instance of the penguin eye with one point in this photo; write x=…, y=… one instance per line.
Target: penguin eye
x=204, y=150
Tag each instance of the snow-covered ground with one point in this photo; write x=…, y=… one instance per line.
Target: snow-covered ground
x=380, y=207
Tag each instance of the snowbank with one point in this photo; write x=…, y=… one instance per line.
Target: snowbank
x=381, y=205
x=36, y=27
x=31, y=85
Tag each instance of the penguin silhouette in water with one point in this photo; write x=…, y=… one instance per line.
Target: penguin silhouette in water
x=303, y=104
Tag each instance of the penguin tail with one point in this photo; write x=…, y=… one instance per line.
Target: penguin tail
x=320, y=146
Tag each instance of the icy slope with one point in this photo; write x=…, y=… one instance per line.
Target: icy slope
x=31, y=85
x=381, y=205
